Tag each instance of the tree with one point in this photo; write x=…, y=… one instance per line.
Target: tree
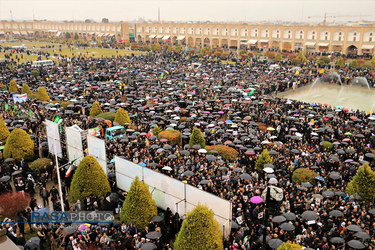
x=67, y=35
x=88, y=179
x=95, y=109
x=139, y=207
x=122, y=117
x=40, y=163
x=264, y=158
x=156, y=130
x=303, y=175
x=178, y=49
x=340, y=62
x=289, y=246
x=76, y=36
x=199, y=231
x=278, y=57
x=19, y=145
x=173, y=136
x=226, y=152
x=13, y=202
x=26, y=90
x=363, y=183
x=110, y=116
x=196, y=137
x=323, y=60
x=301, y=58
x=34, y=73
x=373, y=61
x=42, y=95
x=88, y=21
x=4, y=131
x=354, y=63
x=13, y=86
x=105, y=20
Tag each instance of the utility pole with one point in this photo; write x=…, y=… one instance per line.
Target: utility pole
x=159, y=15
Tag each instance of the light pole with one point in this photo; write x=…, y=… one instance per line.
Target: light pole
x=58, y=178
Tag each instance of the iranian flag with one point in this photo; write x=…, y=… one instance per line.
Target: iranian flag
x=70, y=168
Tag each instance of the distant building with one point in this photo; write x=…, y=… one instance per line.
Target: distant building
x=101, y=31
x=356, y=39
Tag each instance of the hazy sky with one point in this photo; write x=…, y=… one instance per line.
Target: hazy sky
x=187, y=10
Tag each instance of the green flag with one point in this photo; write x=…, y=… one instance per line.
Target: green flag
x=30, y=113
x=57, y=119
x=162, y=75
x=252, y=92
x=6, y=106
x=60, y=128
x=14, y=107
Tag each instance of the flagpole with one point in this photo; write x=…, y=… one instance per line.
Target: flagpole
x=58, y=178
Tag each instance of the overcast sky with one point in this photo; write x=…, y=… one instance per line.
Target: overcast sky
x=187, y=10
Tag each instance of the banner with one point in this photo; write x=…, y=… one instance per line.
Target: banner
x=96, y=148
x=19, y=98
x=53, y=138
x=74, y=143
x=94, y=131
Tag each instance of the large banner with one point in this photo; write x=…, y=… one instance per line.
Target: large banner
x=96, y=148
x=53, y=138
x=19, y=98
x=74, y=143
x=169, y=192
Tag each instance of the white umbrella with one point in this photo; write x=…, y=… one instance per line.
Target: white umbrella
x=167, y=168
x=202, y=150
x=273, y=181
x=268, y=170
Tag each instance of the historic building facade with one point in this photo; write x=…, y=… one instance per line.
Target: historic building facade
x=359, y=39
x=119, y=31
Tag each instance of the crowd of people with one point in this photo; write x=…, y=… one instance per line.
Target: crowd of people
x=232, y=104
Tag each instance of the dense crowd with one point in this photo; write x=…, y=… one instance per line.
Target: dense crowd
x=218, y=99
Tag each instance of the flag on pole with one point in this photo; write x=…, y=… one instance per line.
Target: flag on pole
x=269, y=73
x=6, y=107
x=30, y=113
x=252, y=92
x=162, y=75
x=70, y=168
x=57, y=119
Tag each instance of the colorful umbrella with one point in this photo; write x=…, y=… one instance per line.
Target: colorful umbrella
x=83, y=227
x=256, y=199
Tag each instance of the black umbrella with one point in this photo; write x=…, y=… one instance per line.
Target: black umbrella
x=362, y=235
x=306, y=184
x=188, y=173
x=113, y=197
x=334, y=175
x=33, y=243
x=287, y=226
x=9, y=160
x=167, y=147
x=172, y=156
x=356, y=244
x=372, y=211
x=185, y=152
x=5, y=178
x=309, y=215
x=275, y=243
x=337, y=240
x=148, y=246
x=354, y=228
x=153, y=235
x=234, y=225
x=290, y=216
x=278, y=219
x=196, y=146
x=70, y=230
x=210, y=157
x=328, y=194
x=336, y=213
x=157, y=218
x=370, y=155
x=223, y=168
x=245, y=176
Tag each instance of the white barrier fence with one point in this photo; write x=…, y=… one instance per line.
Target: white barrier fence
x=168, y=192
x=96, y=148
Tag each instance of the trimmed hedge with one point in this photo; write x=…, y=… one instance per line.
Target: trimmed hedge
x=26, y=90
x=226, y=152
x=107, y=116
x=4, y=131
x=42, y=95
x=139, y=207
x=122, y=117
x=303, y=175
x=264, y=158
x=174, y=136
x=196, y=137
x=13, y=86
x=199, y=230
x=289, y=246
x=19, y=145
x=95, y=109
x=327, y=144
x=40, y=163
x=88, y=179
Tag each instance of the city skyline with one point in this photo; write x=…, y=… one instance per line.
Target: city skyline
x=193, y=10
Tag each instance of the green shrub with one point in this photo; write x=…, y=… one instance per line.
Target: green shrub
x=196, y=137
x=40, y=163
x=323, y=60
x=340, y=62
x=13, y=86
x=303, y=175
x=363, y=183
x=88, y=179
x=4, y=131
x=107, y=116
x=34, y=73
x=156, y=131
x=3, y=87
x=264, y=158
x=289, y=246
x=122, y=117
x=278, y=57
x=139, y=207
x=199, y=230
x=42, y=95
x=227, y=153
x=95, y=109
x=174, y=136
x=327, y=144
x=19, y=145
x=354, y=63
x=63, y=104
x=26, y=90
